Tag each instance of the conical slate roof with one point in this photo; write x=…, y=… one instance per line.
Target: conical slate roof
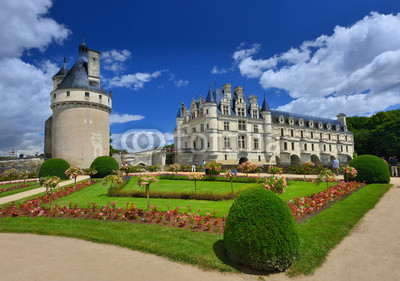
x=77, y=76
x=265, y=106
x=210, y=95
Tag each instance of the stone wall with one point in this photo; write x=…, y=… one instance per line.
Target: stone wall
x=30, y=164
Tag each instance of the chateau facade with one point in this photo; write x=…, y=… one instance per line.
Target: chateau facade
x=230, y=128
x=79, y=129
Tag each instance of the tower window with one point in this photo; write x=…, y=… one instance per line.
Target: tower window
x=241, y=142
x=226, y=157
x=292, y=145
x=312, y=147
x=226, y=126
x=291, y=133
x=54, y=95
x=242, y=125
x=86, y=94
x=227, y=142
x=256, y=144
x=282, y=133
x=68, y=94
x=100, y=97
x=255, y=128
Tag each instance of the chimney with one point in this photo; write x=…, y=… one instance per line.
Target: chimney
x=341, y=117
x=239, y=91
x=93, y=58
x=227, y=91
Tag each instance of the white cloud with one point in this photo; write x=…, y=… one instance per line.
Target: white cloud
x=25, y=88
x=181, y=83
x=136, y=81
x=113, y=60
x=124, y=118
x=216, y=70
x=23, y=26
x=355, y=70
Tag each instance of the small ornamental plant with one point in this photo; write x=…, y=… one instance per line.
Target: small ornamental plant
x=276, y=184
x=125, y=169
x=195, y=177
x=113, y=179
x=145, y=181
x=73, y=172
x=175, y=168
x=275, y=170
x=50, y=183
x=212, y=168
x=306, y=168
x=348, y=172
x=325, y=175
x=11, y=174
x=229, y=175
x=24, y=175
x=90, y=172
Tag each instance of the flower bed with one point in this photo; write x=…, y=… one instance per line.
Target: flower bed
x=14, y=187
x=312, y=203
x=301, y=207
x=17, y=181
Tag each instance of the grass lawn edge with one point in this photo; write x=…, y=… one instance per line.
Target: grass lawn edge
x=204, y=249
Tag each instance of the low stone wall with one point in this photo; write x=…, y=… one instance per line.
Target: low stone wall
x=30, y=164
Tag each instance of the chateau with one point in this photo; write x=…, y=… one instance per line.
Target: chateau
x=79, y=129
x=230, y=128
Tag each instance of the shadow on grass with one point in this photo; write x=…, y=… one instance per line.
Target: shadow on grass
x=220, y=252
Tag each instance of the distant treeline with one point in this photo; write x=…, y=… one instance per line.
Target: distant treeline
x=378, y=135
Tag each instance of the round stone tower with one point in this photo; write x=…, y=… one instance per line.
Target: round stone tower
x=79, y=129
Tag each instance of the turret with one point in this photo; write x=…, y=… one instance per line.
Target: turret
x=59, y=77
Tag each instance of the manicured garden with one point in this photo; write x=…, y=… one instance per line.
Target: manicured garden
x=318, y=235
x=261, y=219
x=98, y=193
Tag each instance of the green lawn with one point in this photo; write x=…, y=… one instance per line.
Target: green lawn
x=98, y=193
x=318, y=235
x=12, y=184
x=188, y=186
x=11, y=192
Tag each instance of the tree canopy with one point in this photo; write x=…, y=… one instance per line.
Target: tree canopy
x=378, y=135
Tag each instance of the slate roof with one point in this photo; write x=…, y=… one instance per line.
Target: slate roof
x=63, y=70
x=77, y=76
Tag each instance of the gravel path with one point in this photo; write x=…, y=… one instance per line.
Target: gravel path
x=370, y=252
x=34, y=191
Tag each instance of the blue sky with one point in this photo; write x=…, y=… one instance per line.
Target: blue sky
x=313, y=57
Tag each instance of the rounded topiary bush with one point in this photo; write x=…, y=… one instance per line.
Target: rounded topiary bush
x=54, y=167
x=371, y=169
x=104, y=165
x=260, y=231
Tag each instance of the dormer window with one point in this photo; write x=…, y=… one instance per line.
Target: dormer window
x=345, y=128
x=241, y=112
x=68, y=94
x=337, y=127
x=301, y=122
x=225, y=109
x=255, y=113
x=311, y=124
x=291, y=121
x=320, y=125
x=328, y=126
x=281, y=119
x=86, y=94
